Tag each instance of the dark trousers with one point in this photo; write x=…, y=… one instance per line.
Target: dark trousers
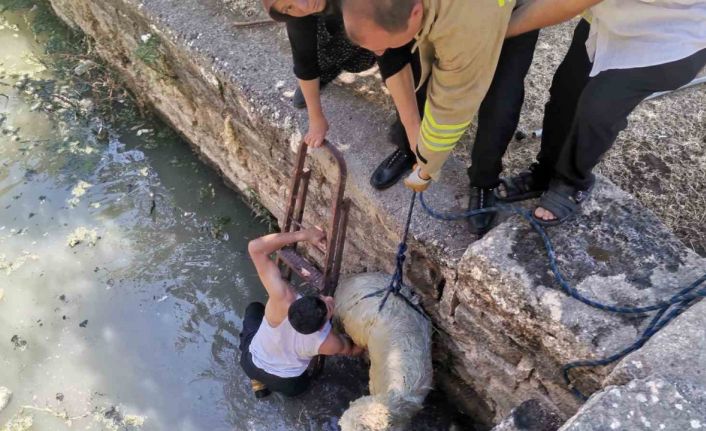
x=600, y=108
x=499, y=113
x=583, y=116
x=391, y=62
x=289, y=386
x=568, y=83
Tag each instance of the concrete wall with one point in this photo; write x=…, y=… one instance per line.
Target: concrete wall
x=503, y=327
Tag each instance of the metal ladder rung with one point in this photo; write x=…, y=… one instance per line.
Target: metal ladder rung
x=301, y=267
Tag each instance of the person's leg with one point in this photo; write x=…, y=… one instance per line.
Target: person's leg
x=394, y=166
x=288, y=386
x=602, y=113
x=499, y=113
x=355, y=58
x=497, y=120
x=254, y=313
x=329, y=47
x=568, y=82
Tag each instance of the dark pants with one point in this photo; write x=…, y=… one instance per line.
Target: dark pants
x=600, y=107
x=568, y=82
x=583, y=116
x=391, y=62
x=289, y=386
x=499, y=113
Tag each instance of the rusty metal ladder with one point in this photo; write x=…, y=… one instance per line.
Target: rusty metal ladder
x=323, y=281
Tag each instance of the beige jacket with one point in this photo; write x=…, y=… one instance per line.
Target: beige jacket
x=459, y=45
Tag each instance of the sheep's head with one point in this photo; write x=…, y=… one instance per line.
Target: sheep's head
x=387, y=412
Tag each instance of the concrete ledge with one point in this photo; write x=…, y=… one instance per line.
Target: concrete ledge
x=504, y=328
x=643, y=404
x=505, y=296
x=676, y=354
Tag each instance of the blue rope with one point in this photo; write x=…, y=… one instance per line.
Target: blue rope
x=396, y=281
x=681, y=301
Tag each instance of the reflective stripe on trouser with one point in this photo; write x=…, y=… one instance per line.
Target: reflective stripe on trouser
x=436, y=141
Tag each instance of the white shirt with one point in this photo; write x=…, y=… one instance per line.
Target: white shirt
x=626, y=34
x=283, y=351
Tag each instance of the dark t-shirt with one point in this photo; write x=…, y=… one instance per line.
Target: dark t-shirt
x=303, y=38
x=302, y=34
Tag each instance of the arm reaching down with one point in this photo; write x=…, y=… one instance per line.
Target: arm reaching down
x=401, y=87
x=318, y=125
x=302, y=33
x=465, y=59
x=544, y=13
x=339, y=344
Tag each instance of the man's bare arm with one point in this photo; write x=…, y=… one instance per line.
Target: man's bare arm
x=260, y=250
x=339, y=344
x=544, y=13
x=401, y=87
x=318, y=125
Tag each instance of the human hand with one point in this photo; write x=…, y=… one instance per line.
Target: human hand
x=417, y=181
x=356, y=350
x=318, y=126
x=315, y=235
x=350, y=348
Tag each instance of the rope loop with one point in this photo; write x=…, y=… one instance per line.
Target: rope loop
x=667, y=310
x=676, y=304
x=396, y=281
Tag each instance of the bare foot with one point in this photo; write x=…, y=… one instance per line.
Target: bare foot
x=543, y=214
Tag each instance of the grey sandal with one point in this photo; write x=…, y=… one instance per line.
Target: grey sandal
x=562, y=200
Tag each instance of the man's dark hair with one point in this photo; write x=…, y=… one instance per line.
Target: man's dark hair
x=391, y=15
x=307, y=314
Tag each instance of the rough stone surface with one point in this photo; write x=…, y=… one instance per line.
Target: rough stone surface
x=531, y=415
x=507, y=321
x=645, y=404
x=677, y=354
x=5, y=396
x=504, y=328
x=661, y=386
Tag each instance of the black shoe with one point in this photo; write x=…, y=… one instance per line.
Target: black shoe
x=481, y=198
x=391, y=169
x=298, y=100
x=528, y=184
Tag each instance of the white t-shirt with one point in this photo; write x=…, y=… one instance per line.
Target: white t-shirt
x=626, y=34
x=284, y=352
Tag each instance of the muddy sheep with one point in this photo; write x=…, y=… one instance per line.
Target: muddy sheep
x=398, y=340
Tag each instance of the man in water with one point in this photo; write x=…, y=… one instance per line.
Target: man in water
x=279, y=339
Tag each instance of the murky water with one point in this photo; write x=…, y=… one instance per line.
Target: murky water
x=141, y=316
x=123, y=273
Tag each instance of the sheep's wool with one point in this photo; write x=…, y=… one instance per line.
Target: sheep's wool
x=398, y=340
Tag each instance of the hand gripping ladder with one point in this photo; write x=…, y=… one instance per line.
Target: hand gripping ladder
x=324, y=281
